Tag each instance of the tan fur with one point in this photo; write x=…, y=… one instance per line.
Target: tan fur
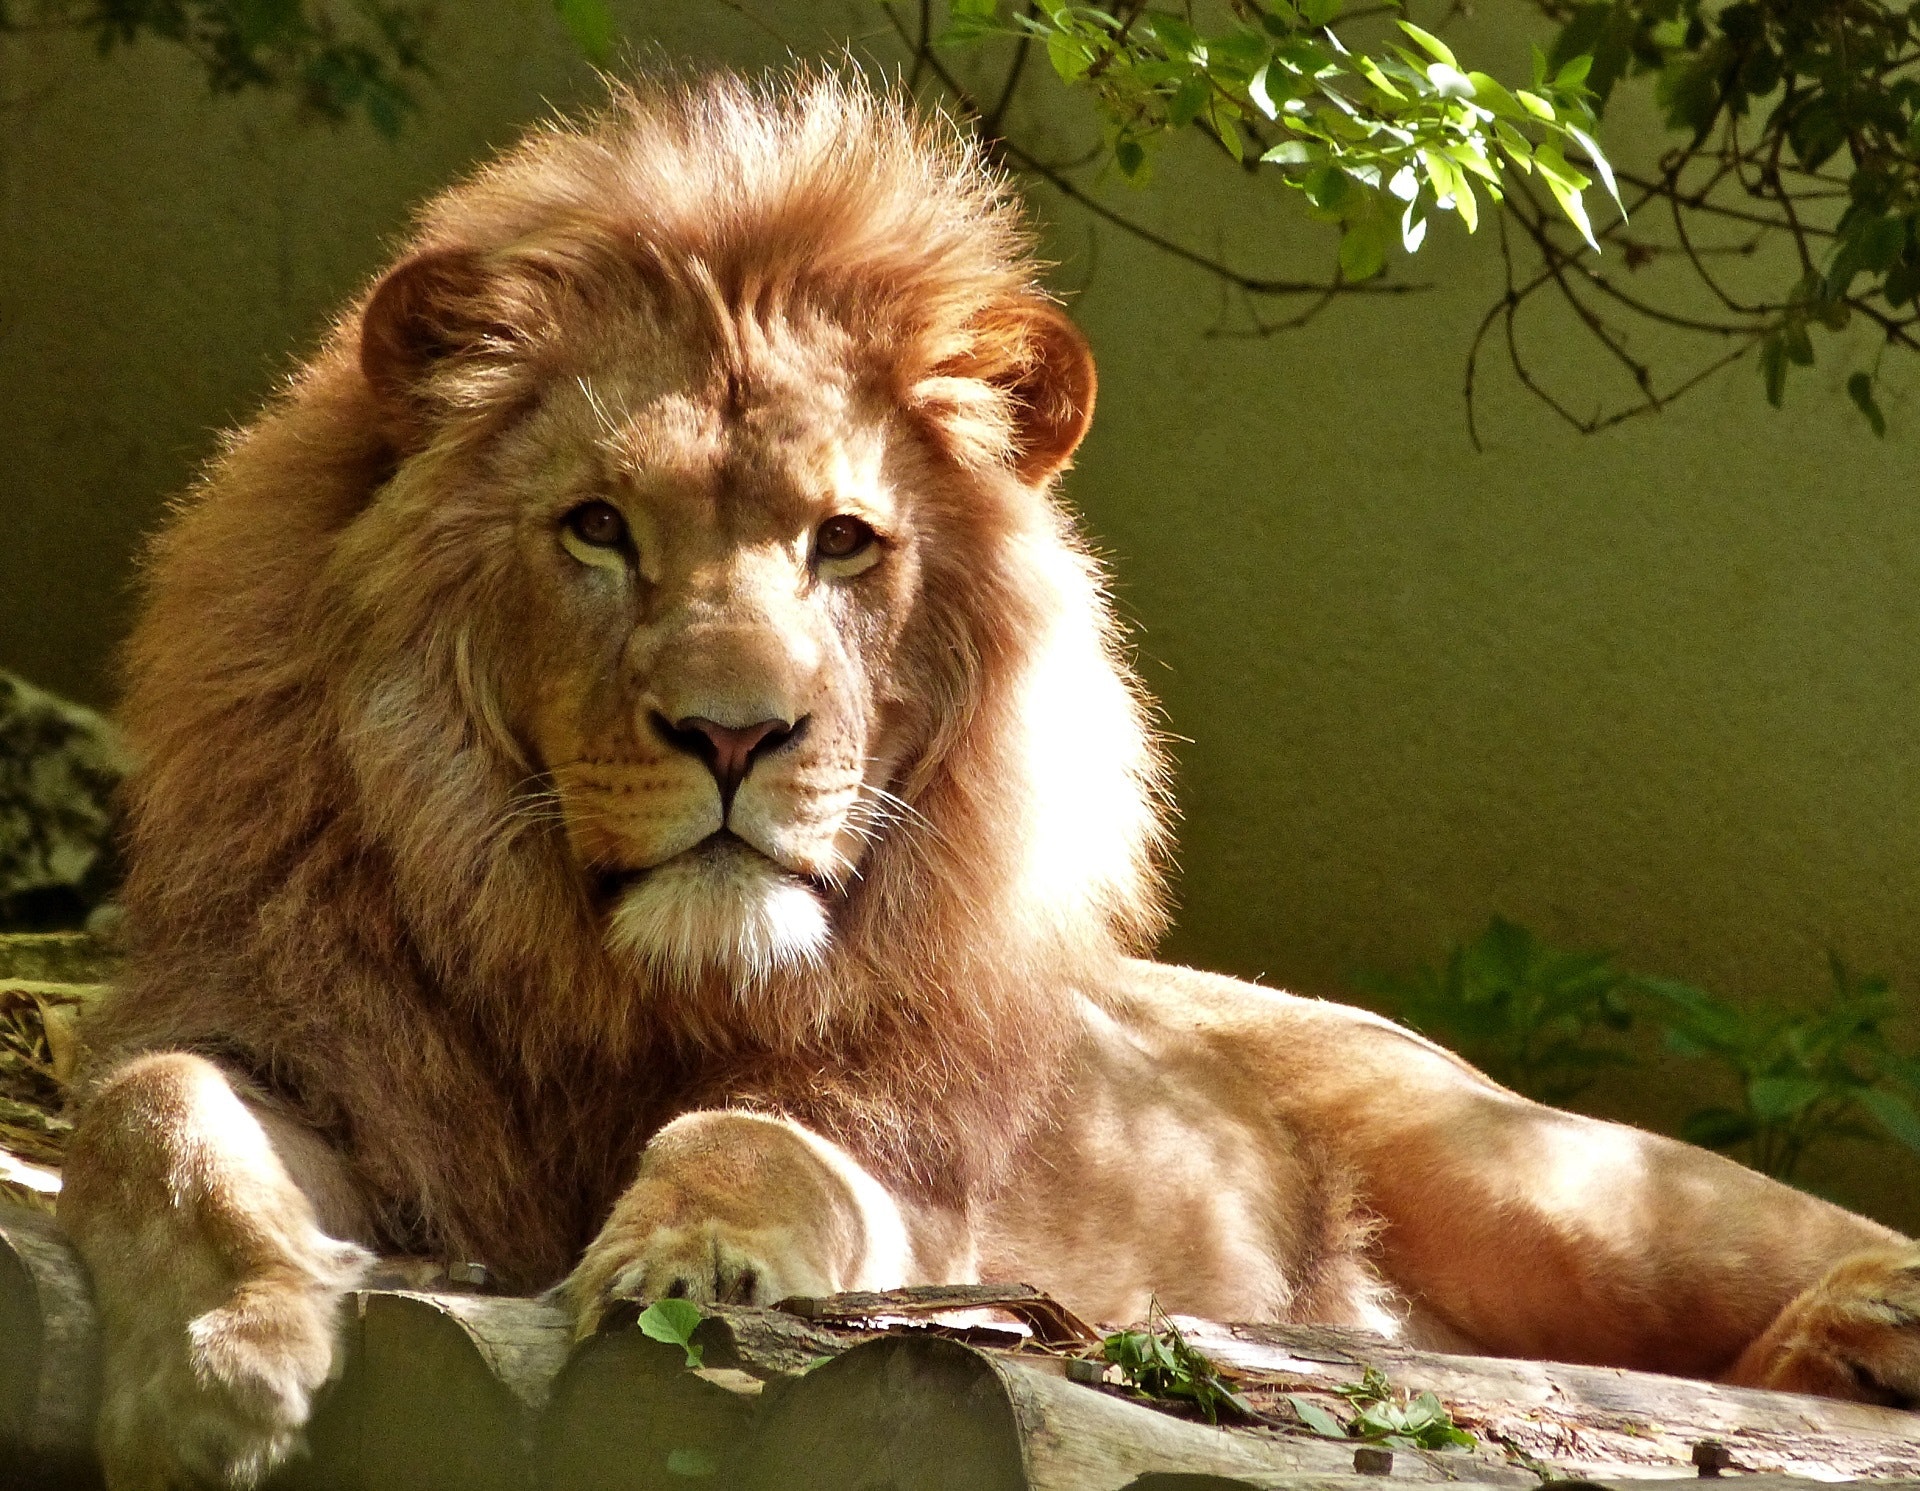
x=426, y=883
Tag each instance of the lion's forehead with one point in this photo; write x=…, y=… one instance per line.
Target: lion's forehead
x=740, y=463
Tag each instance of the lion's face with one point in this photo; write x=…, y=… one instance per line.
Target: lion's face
x=719, y=563
x=716, y=555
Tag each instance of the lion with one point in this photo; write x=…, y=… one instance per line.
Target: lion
x=641, y=787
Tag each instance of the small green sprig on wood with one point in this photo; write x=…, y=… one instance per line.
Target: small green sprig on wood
x=673, y=1321
x=1159, y=1362
x=1376, y=140
x=1381, y=1416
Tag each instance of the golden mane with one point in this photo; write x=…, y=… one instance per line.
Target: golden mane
x=340, y=882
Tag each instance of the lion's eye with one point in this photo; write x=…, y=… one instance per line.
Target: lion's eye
x=842, y=537
x=599, y=524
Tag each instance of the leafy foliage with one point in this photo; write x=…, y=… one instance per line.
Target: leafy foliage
x=1802, y=119
x=1801, y=1077
x=340, y=57
x=1159, y=1362
x=1376, y=142
x=1534, y=1018
x=1542, y=1020
x=1787, y=209
x=1381, y=1416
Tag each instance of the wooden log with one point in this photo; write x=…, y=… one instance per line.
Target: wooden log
x=1586, y=1421
x=49, y=1355
x=61, y=957
x=937, y=1415
x=438, y=1391
x=1047, y=1320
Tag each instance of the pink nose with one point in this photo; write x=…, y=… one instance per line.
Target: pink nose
x=728, y=750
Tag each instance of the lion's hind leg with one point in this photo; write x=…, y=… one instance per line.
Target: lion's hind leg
x=218, y=1291
x=1855, y=1334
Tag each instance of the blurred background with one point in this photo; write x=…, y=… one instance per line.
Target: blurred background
x=1652, y=691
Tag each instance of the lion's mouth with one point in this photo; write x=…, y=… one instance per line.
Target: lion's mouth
x=611, y=884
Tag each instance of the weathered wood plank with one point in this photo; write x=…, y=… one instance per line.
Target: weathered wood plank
x=1587, y=1421
x=920, y=1411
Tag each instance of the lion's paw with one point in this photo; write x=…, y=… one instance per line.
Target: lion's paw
x=709, y=1262
x=1855, y=1334
x=223, y=1401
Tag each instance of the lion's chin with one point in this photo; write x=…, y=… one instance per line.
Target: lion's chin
x=719, y=910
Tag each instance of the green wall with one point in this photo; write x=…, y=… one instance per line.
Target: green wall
x=1652, y=690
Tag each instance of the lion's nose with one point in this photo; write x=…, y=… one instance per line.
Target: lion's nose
x=728, y=750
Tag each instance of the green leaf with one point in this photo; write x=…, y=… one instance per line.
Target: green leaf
x=1291, y=153
x=1327, y=188
x=1861, y=390
x=1574, y=73
x=1191, y=97
x=1363, y=250
x=1892, y=1112
x=1069, y=56
x=590, y=24
x=1319, y=12
x=1130, y=156
x=1449, y=81
x=1467, y=205
x=1534, y=104
x=1600, y=164
x=1180, y=39
x=1317, y=1418
x=1436, y=48
x=1774, y=1099
x=1370, y=70
x=674, y=1322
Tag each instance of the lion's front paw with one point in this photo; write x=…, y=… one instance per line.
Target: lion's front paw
x=709, y=1261
x=223, y=1400
x=1855, y=1334
x=741, y=1208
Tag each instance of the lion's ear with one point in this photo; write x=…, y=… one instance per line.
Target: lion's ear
x=1052, y=392
x=429, y=308
x=1031, y=366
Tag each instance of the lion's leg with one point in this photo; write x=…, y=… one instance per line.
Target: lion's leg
x=751, y=1209
x=1855, y=1334
x=218, y=1289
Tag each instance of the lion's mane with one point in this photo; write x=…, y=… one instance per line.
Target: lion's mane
x=339, y=882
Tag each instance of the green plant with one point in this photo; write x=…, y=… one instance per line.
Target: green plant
x=339, y=58
x=1540, y=1020
x=1802, y=121
x=1801, y=1076
x=673, y=1321
x=1382, y=1416
x=1377, y=139
x=1161, y=1363
x=1784, y=208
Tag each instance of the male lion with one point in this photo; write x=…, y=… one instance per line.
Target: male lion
x=640, y=787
